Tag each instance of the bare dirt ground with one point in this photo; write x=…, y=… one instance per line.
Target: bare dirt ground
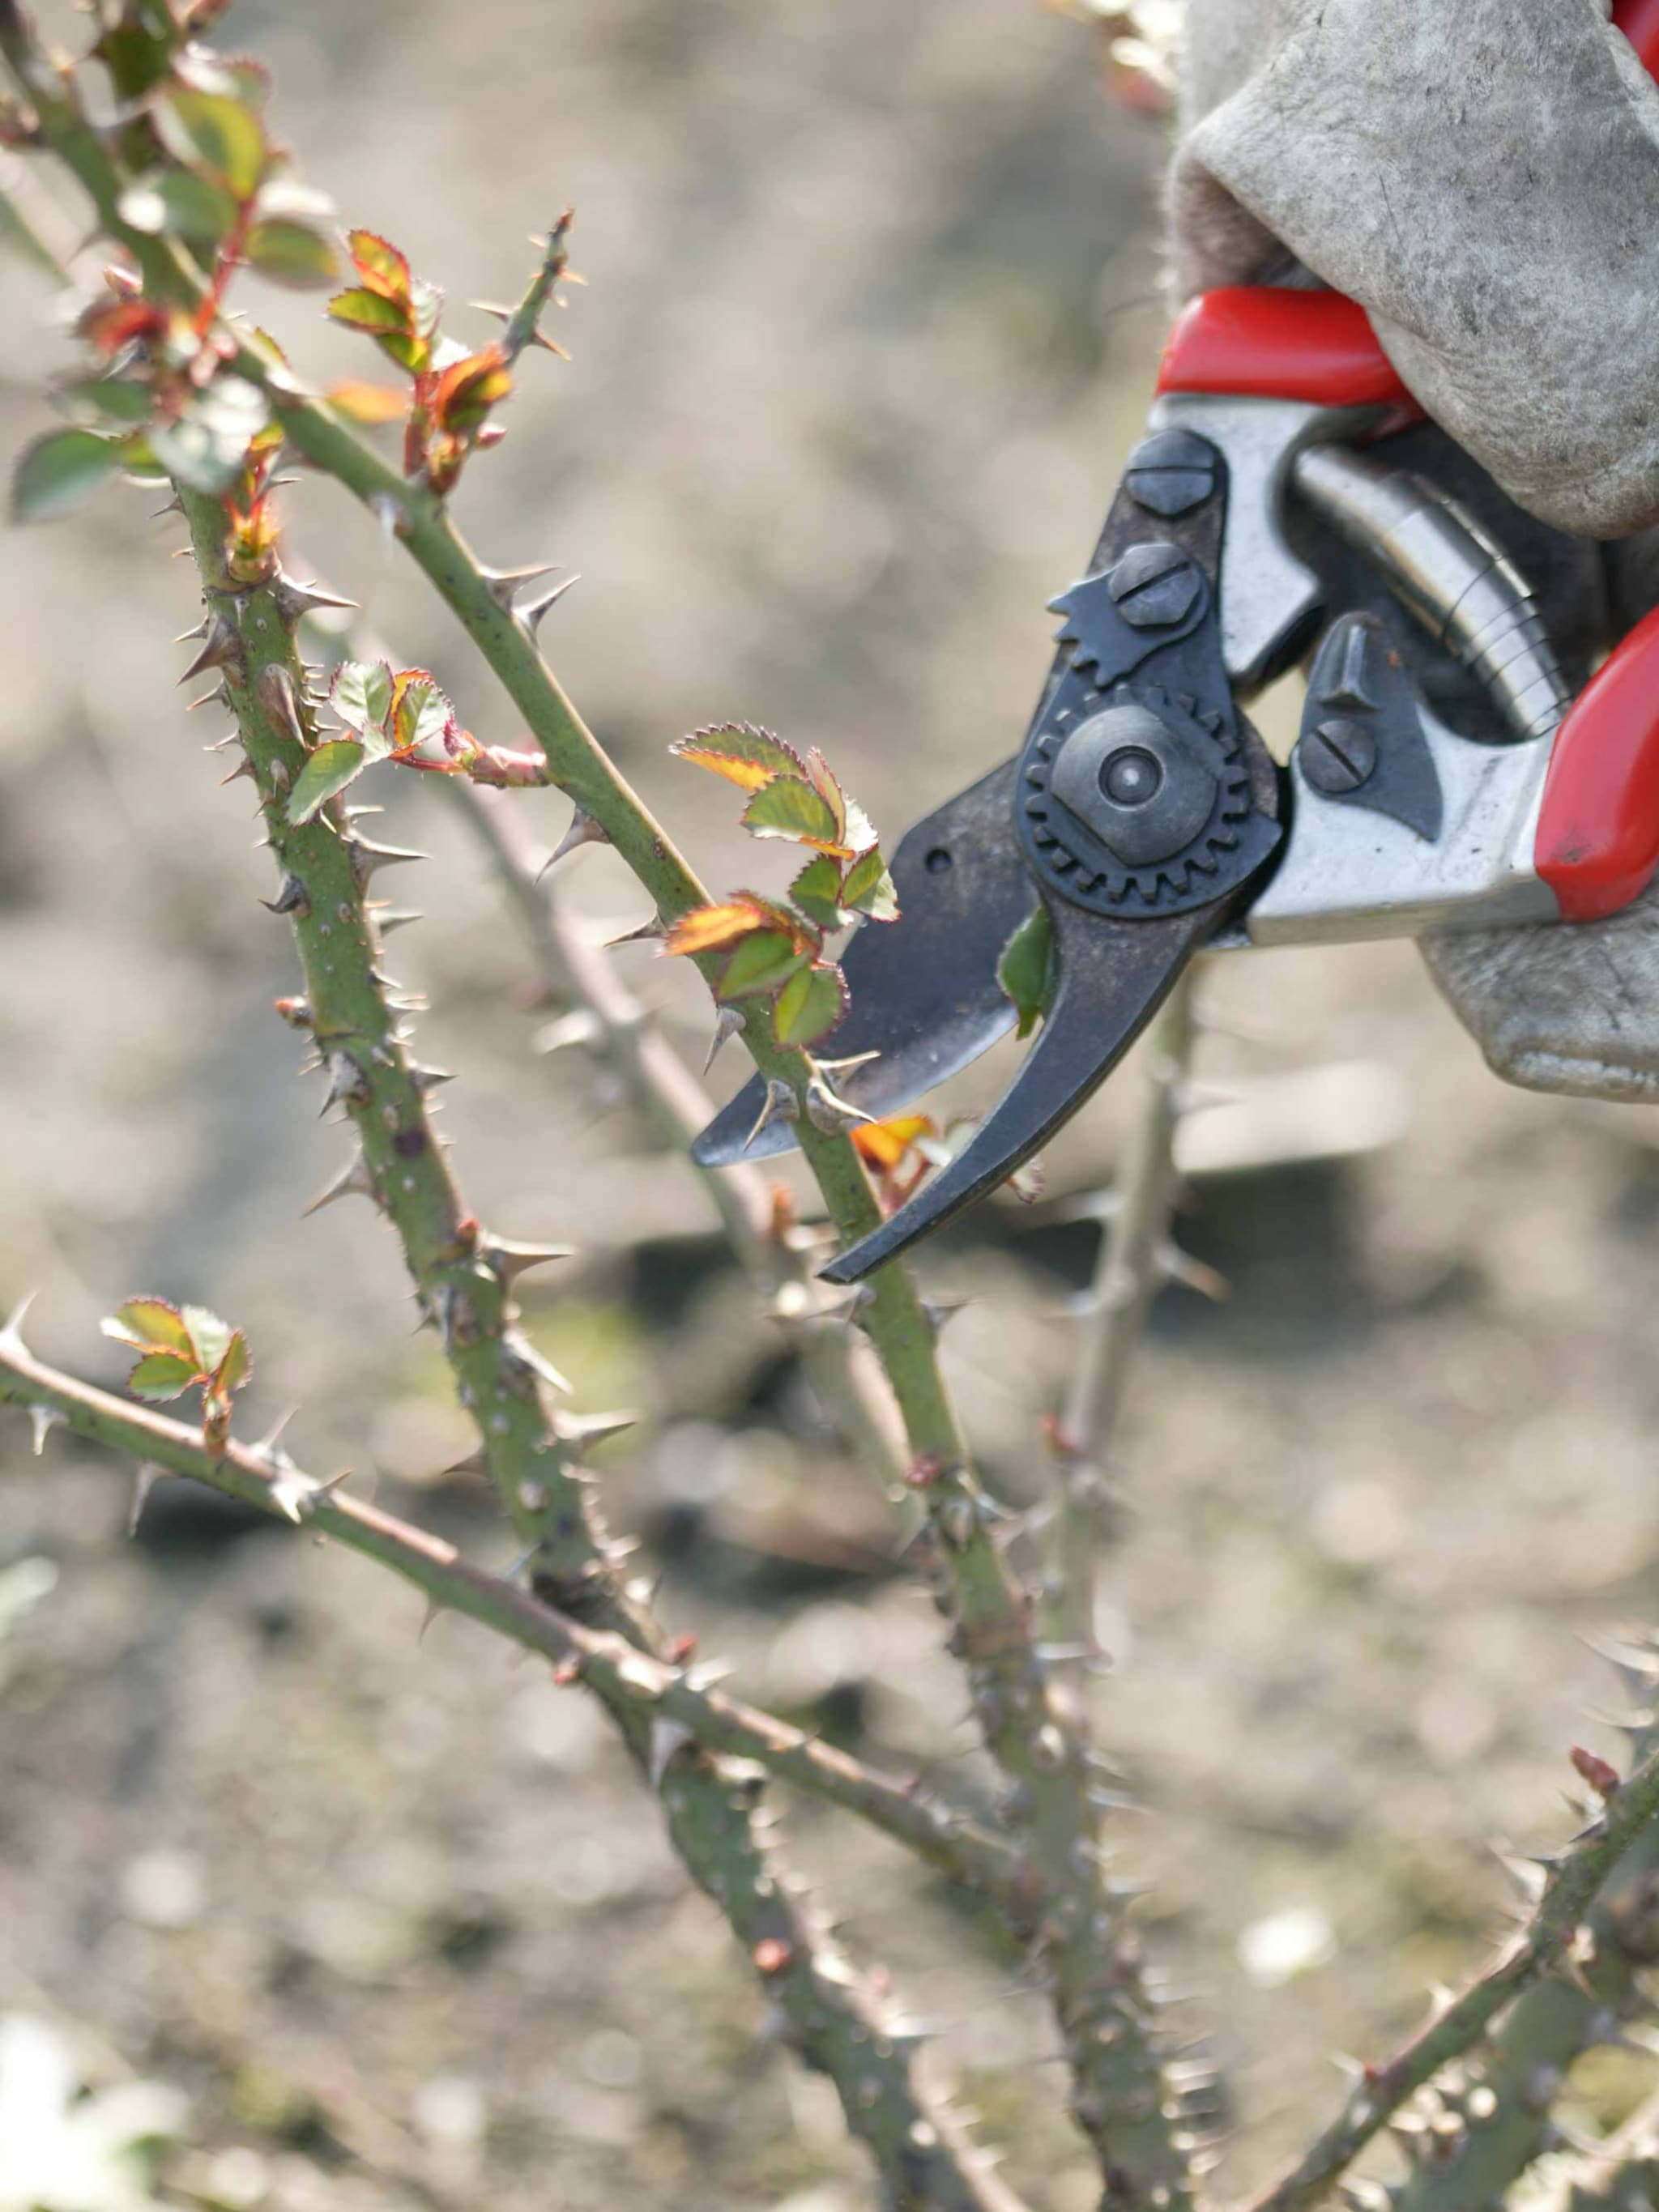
x=869, y=329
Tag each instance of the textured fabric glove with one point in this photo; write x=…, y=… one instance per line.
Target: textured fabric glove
x=1483, y=176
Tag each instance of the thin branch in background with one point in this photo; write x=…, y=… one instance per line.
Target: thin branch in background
x=1132, y=1265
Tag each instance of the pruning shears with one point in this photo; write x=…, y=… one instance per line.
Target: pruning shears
x=1145, y=815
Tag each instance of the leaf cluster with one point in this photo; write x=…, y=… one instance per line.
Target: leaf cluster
x=184, y=1348
x=778, y=949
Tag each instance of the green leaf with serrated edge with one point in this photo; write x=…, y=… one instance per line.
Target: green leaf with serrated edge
x=159, y=1375
x=817, y=891
x=382, y=266
x=117, y=397
x=760, y=963
x=1026, y=969
x=744, y=754
x=211, y=1336
x=233, y=1367
x=420, y=711
x=360, y=309
x=785, y=808
x=330, y=769
x=292, y=253
x=809, y=1004
x=148, y=1321
x=216, y=132
x=360, y=692
x=869, y=889
x=179, y=202
x=58, y=471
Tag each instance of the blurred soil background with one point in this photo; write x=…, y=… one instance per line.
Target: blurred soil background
x=871, y=312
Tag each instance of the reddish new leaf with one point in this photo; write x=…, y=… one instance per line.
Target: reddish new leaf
x=745, y=755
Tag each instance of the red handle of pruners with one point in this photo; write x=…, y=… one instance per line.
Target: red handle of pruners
x=1597, y=844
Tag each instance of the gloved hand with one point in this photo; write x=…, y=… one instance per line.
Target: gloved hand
x=1483, y=177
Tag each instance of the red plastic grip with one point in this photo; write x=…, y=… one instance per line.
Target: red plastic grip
x=1597, y=844
x=1639, y=21
x=1265, y=342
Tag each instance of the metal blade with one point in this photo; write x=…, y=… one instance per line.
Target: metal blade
x=925, y=994
x=1113, y=977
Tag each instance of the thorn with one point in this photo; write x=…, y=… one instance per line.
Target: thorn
x=583, y=831
x=267, y=1448
x=645, y=931
x=941, y=1311
x=433, y=1609
x=667, y=1738
x=827, y=1111
x=528, y=613
x=347, y=1085
x=185, y=636
x=520, y=1348
x=292, y=898
x=584, y=1429
x=728, y=1022
x=174, y=506
x=273, y=687
x=430, y=1079
x=295, y=598
x=243, y=768
x=780, y=1104
x=11, y=1336
x=299, y=1495
x=1178, y=1266
x=355, y=1182
x=145, y=1477
x=581, y=1027
x=503, y=584
x=366, y=858
x=43, y=1420
x=510, y=1261
x=208, y=698
x=396, y=917
x=222, y=648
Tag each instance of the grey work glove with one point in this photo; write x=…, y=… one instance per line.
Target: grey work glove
x=1483, y=177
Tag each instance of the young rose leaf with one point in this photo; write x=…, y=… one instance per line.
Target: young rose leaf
x=234, y=1366
x=360, y=692
x=761, y=963
x=334, y=764
x=293, y=253
x=745, y=755
x=58, y=471
x=216, y=132
x=715, y=928
x=369, y=404
x=1026, y=969
x=148, y=1324
x=869, y=889
x=886, y=1145
x=469, y=388
x=817, y=891
x=179, y=202
x=360, y=309
x=119, y=397
x=811, y=1004
x=208, y=1334
x=785, y=808
x=380, y=265
x=420, y=712
x=159, y=1375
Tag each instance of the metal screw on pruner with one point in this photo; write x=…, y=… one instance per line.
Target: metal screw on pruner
x=1337, y=755
x=1154, y=585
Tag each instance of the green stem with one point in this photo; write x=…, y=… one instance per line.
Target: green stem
x=1380, y=2091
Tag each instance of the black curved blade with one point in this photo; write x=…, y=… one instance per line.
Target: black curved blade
x=925, y=994
x=1113, y=977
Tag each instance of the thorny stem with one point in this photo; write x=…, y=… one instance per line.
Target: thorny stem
x=1380, y=2091
x=1127, y=1276
x=463, y=1281
x=941, y=1833
x=579, y=975
x=1122, y=2098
